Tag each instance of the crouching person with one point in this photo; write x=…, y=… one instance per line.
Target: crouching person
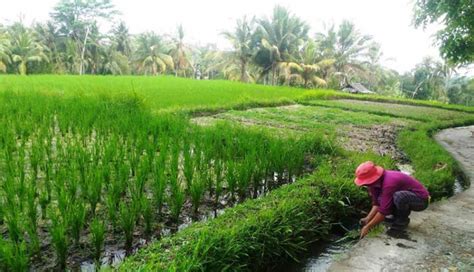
x=394, y=195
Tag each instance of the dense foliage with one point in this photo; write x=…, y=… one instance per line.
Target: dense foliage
x=457, y=19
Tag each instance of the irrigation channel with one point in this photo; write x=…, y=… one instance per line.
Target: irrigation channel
x=325, y=257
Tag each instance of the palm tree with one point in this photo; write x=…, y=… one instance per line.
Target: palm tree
x=308, y=68
x=25, y=47
x=113, y=62
x=180, y=53
x=49, y=36
x=121, y=39
x=348, y=47
x=241, y=40
x=281, y=36
x=4, y=50
x=151, y=54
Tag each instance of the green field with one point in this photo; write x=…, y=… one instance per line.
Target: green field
x=159, y=93
x=93, y=163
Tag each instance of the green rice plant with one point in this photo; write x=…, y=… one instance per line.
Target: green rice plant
x=231, y=178
x=127, y=223
x=159, y=186
x=43, y=202
x=177, y=194
x=59, y=239
x=147, y=213
x=76, y=220
x=13, y=256
x=97, y=233
x=32, y=204
x=32, y=213
x=142, y=174
x=196, y=191
x=63, y=202
x=218, y=176
x=2, y=212
x=188, y=166
x=94, y=189
x=14, y=225
x=244, y=174
x=111, y=201
x=176, y=200
x=34, y=240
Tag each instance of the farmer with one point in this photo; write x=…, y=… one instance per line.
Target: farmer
x=394, y=195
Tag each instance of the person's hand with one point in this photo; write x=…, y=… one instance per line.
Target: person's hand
x=363, y=232
x=363, y=221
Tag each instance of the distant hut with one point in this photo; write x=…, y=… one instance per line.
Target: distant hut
x=357, y=88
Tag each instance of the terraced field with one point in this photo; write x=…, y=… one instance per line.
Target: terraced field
x=187, y=175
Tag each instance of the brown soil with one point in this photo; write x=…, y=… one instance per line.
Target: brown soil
x=380, y=139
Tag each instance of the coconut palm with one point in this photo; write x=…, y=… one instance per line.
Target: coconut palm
x=241, y=40
x=4, y=50
x=308, y=68
x=230, y=67
x=281, y=36
x=152, y=54
x=113, y=62
x=49, y=36
x=348, y=47
x=180, y=53
x=121, y=39
x=25, y=48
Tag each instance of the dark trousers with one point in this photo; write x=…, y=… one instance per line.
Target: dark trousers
x=405, y=202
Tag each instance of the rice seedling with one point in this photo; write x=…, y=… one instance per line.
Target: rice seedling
x=196, y=191
x=13, y=256
x=231, y=179
x=97, y=234
x=147, y=213
x=76, y=220
x=188, y=165
x=14, y=222
x=176, y=199
x=127, y=223
x=218, y=172
x=58, y=232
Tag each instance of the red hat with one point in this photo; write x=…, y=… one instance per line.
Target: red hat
x=367, y=173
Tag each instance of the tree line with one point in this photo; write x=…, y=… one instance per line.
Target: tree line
x=276, y=50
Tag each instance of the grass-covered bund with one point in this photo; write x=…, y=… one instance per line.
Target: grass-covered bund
x=88, y=161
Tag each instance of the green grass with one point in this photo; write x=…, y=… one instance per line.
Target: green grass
x=178, y=94
x=420, y=113
x=303, y=119
x=159, y=93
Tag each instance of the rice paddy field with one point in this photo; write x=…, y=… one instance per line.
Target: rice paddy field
x=189, y=175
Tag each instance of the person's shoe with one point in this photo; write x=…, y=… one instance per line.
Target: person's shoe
x=400, y=225
x=389, y=219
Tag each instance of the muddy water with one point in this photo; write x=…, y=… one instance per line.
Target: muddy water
x=322, y=256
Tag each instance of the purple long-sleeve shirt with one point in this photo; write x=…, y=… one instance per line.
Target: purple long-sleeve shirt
x=394, y=181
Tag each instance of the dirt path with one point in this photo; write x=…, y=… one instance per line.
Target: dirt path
x=438, y=239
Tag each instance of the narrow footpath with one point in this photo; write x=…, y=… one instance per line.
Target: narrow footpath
x=440, y=238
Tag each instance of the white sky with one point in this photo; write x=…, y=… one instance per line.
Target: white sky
x=388, y=21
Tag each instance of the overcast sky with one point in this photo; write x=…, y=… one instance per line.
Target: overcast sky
x=388, y=21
